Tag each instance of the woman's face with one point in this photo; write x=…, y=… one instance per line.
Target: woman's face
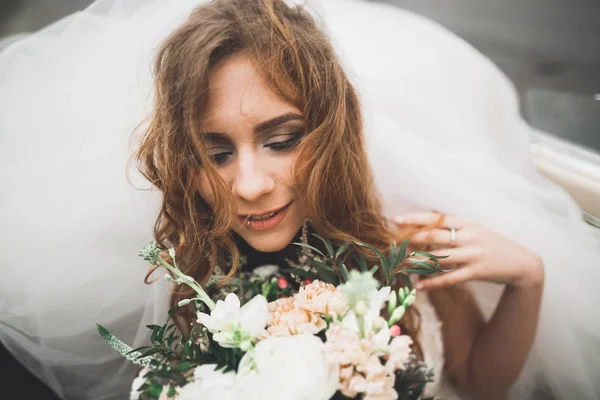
x=252, y=136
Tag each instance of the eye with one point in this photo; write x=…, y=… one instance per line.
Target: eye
x=221, y=158
x=287, y=144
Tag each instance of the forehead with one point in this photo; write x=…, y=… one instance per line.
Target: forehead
x=238, y=95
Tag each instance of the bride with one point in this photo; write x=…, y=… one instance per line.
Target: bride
x=255, y=115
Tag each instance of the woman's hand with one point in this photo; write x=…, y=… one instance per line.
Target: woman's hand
x=476, y=253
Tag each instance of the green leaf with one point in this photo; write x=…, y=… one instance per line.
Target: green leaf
x=419, y=271
x=124, y=349
x=428, y=255
x=345, y=273
x=155, y=331
x=171, y=392
x=406, y=279
x=150, y=352
x=187, y=348
x=384, y=263
x=362, y=262
x=374, y=269
x=385, y=267
x=324, y=272
x=401, y=253
x=327, y=244
x=153, y=327
x=392, y=254
x=424, y=264
x=308, y=246
x=138, y=349
x=302, y=273
x=155, y=390
x=170, y=339
x=341, y=249
x=185, y=366
x=161, y=334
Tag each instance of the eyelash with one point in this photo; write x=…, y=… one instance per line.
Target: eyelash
x=221, y=158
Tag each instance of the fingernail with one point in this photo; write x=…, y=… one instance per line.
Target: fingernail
x=398, y=219
x=419, y=286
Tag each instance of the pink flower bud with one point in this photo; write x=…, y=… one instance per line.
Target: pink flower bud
x=307, y=281
x=282, y=283
x=394, y=330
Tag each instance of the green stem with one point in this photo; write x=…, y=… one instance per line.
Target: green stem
x=193, y=284
x=361, y=326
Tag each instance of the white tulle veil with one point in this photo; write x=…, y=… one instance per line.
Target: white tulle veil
x=443, y=132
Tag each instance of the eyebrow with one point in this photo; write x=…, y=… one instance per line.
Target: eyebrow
x=266, y=125
x=261, y=127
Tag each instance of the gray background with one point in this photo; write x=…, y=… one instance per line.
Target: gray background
x=549, y=48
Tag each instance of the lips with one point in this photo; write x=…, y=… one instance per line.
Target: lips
x=263, y=214
x=264, y=220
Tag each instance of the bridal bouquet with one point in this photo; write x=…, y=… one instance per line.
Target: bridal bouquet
x=317, y=333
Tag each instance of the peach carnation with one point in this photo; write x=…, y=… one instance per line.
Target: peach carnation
x=322, y=298
x=286, y=319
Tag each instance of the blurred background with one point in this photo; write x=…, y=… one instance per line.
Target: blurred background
x=550, y=49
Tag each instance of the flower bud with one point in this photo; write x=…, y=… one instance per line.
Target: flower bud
x=246, y=345
x=184, y=302
x=361, y=308
x=379, y=324
x=168, y=278
x=282, y=283
x=410, y=298
x=394, y=331
x=392, y=302
x=172, y=252
x=397, y=314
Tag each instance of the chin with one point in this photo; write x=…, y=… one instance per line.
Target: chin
x=275, y=239
x=269, y=243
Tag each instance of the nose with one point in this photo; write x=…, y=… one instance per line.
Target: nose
x=252, y=180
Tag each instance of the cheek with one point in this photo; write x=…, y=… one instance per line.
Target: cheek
x=286, y=171
x=204, y=188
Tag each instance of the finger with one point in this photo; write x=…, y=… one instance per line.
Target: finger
x=447, y=279
x=440, y=237
x=428, y=218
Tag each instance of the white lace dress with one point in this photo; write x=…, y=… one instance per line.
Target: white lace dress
x=431, y=341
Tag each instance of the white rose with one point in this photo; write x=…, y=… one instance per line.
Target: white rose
x=210, y=384
x=289, y=367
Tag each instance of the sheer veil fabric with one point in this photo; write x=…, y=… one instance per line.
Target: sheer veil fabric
x=443, y=132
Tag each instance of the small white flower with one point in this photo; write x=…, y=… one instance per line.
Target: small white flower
x=358, y=287
x=233, y=326
x=367, y=314
x=265, y=271
x=399, y=353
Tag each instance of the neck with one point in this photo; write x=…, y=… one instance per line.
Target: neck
x=255, y=258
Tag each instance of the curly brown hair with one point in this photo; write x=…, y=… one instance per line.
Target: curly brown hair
x=332, y=175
